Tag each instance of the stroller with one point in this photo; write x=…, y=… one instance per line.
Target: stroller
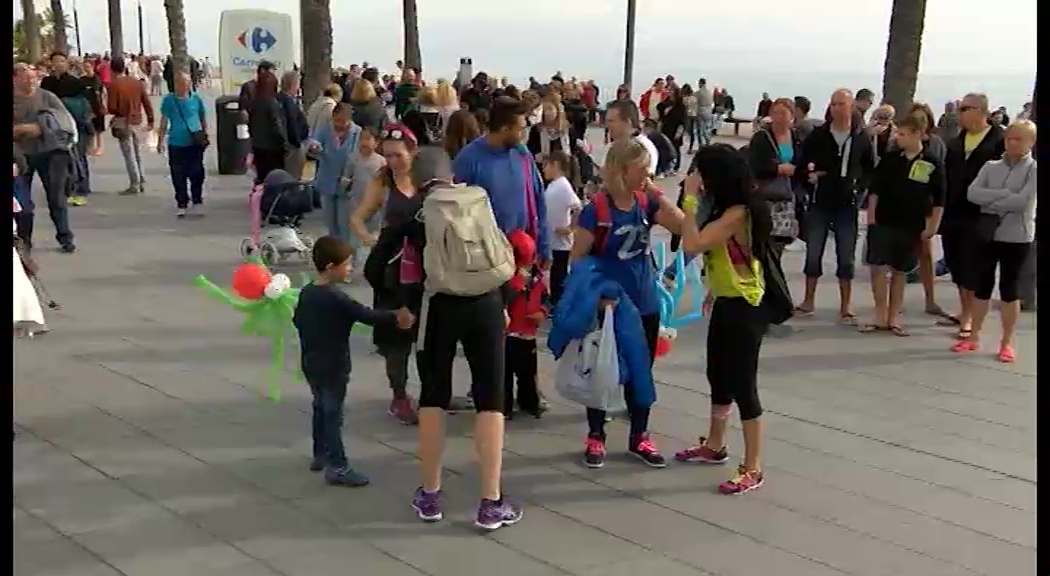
x=278, y=206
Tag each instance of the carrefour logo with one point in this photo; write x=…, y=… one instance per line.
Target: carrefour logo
x=257, y=39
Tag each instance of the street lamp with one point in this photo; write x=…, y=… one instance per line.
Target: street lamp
x=628, y=57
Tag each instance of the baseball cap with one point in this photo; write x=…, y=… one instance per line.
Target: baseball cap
x=265, y=65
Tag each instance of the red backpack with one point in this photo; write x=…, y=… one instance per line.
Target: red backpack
x=603, y=211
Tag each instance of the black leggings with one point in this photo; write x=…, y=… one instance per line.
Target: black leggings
x=266, y=161
x=1009, y=257
x=476, y=322
x=734, y=339
x=639, y=415
x=559, y=270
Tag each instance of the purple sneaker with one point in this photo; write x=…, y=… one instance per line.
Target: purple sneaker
x=427, y=505
x=495, y=514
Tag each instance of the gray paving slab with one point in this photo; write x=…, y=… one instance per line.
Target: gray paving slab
x=148, y=447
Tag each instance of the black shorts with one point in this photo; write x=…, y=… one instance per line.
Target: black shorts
x=893, y=247
x=959, y=240
x=99, y=124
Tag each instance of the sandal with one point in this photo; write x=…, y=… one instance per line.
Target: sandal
x=937, y=311
x=800, y=311
x=948, y=320
x=1006, y=354
x=872, y=328
x=964, y=346
x=964, y=334
x=899, y=331
x=848, y=319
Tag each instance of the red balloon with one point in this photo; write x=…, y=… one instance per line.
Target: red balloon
x=250, y=280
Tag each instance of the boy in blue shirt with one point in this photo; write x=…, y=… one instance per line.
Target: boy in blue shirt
x=324, y=317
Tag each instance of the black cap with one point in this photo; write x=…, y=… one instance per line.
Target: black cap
x=265, y=65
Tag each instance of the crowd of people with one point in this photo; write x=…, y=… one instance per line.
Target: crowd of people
x=477, y=214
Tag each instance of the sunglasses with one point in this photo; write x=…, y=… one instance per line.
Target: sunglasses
x=966, y=108
x=398, y=133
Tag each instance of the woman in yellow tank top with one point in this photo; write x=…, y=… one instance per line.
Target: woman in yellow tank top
x=736, y=232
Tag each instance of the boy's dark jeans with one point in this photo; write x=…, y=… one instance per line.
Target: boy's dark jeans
x=329, y=394
x=55, y=170
x=520, y=364
x=82, y=170
x=187, y=164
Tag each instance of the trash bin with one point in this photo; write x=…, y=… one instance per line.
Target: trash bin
x=231, y=136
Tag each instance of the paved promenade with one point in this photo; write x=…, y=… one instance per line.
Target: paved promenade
x=146, y=446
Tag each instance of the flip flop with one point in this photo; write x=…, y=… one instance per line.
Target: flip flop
x=899, y=331
x=937, y=311
x=872, y=328
x=800, y=311
x=848, y=319
x=948, y=320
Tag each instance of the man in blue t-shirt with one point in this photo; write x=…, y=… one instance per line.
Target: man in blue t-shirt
x=499, y=163
x=182, y=122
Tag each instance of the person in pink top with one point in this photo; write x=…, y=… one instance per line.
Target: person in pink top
x=102, y=68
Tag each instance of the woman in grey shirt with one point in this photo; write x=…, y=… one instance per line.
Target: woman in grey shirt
x=1006, y=192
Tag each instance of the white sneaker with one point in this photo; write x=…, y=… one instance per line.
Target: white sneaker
x=181, y=213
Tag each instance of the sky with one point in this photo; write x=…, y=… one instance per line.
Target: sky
x=518, y=38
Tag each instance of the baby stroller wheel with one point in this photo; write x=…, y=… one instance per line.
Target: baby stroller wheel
x=269, y=254
x=247, y=247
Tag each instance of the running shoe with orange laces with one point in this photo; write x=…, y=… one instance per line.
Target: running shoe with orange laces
x=703, y=454
x=744, y=482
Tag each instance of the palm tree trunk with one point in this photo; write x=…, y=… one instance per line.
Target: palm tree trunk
x=176, y=16
x=413, y=57
x=903, y=48
x=32, y=31
x=316, y=21
x=59, y=27
x=116, y=29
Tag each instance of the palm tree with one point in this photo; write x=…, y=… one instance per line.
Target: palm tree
x=116, y=29
x=59, y=25
x=45, y=34
x=316, y=21
x=176, y=15
x=410, y=16
x=901, y=71
x=31, y=25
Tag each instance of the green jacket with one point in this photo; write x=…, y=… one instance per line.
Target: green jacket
x=405, y=99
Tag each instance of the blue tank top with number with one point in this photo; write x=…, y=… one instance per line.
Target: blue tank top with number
x=627, y=257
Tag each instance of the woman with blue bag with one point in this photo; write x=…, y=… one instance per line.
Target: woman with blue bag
x=613, y=266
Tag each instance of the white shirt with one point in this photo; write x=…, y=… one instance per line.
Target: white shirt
x=654, y=156
x=561, y=201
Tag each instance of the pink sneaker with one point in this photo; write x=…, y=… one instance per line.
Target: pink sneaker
x=744, y=482
x=404, y=412
x=964, y=346
x=703, y=454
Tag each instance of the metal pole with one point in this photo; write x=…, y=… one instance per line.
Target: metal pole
x=142, y=43
x=628, y=57
x=76, y=29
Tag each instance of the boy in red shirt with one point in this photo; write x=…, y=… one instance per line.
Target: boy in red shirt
x=527, y=309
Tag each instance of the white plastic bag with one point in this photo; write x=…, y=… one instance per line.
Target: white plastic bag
x=588, y=372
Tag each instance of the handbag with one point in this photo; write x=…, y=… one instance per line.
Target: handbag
x=118, y=126
x=785, y=219
x=777, y=296
x=588, y=371
x=199, y=137
x=779, y=188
